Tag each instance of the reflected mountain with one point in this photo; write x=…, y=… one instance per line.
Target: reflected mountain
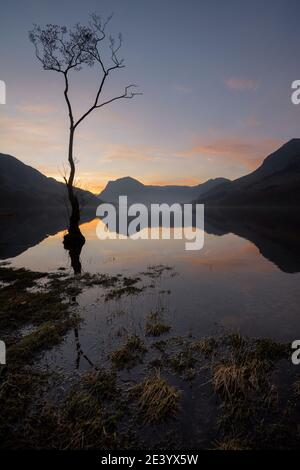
x=276, y=233
x=262, y=207
x=27, y=229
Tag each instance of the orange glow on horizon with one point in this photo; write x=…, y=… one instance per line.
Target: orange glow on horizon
x=96, y=187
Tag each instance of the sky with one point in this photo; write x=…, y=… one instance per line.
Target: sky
x=215, y=76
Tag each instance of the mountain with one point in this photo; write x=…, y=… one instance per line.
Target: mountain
x=276, y=183
x=22, y=188
x=138, y=192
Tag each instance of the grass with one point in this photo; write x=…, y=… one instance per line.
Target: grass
x=45, y=337
x=296, y=387
x=80, y=424
x=18, y=390
x=156, y=270
x=241, y=373
x=101, y=384
x=125, y=286
x=155, y=327
x=184, y=360
x=230, y=380
x=252, y=407
x=207, y=346
x=21, y=278
x=270, y=350
x=130, y=354
x=156, y=399
x=18, y=308
x=232, y=443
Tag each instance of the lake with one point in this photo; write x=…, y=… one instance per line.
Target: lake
x=228, y=284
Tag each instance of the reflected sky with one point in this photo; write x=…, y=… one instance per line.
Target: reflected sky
x=228, y=284
x=228, y=252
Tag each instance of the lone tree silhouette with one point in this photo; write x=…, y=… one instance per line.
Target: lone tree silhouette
x=61, y=49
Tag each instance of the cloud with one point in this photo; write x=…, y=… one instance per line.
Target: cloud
x=183, y=89
x=246, y=153
x=31, y=140
x=133, y=153
x=181, y=181
x=251, y=121
x=241, y=84
x=35, y=108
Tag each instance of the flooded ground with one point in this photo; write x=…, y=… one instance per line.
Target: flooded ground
x=155, y=315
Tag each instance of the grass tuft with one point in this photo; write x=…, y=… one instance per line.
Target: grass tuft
x=155, y=327
x=130, y=354
x=157, y=400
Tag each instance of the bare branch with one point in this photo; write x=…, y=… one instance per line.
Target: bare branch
x=63, y=50
x=125, y=95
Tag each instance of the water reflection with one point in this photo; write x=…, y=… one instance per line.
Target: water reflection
x=249, y=285
x=19, y=233
x=276, y=235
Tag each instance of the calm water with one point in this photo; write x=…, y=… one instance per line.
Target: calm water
x=226, y=285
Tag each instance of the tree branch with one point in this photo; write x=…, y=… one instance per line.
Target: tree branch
x=124, y=95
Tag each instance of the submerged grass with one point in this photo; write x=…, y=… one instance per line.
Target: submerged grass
x=207, y=346
x=101, y=384
x=99, y=411
x=44, y=337
x=155, y=326
x=130, y=354
x=157, y=400
x=232, y=443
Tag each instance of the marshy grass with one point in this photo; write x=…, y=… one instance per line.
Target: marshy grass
x=207, y=346
x=21, y=278
x=234, y=378
x=19, y=307
x=80, y=424
x=130, y=354
x=296, y=388
x=154, y=326
x=96, y=410
x=247, y=366
x=125, y=286
x=101, y=384
x=270, y=350
x=184, y=360
x=232, y=443
x=156, y=270
x=156, y=399
x=44, y=337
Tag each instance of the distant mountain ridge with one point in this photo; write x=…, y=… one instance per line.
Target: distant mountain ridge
x=139, y=192
x=23, y=188
x=276, y=182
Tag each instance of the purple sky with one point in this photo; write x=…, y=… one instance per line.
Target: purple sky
x=216, y=78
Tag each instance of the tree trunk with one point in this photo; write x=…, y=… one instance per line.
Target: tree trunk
x=73, y=240
x=75, y=211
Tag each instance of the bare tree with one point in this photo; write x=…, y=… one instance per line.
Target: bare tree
x=63, y=50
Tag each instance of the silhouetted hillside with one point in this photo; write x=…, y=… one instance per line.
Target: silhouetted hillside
x=22, y=188
x=275, y=183
x=138, y=192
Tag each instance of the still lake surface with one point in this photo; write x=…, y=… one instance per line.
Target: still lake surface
x=228, y=285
